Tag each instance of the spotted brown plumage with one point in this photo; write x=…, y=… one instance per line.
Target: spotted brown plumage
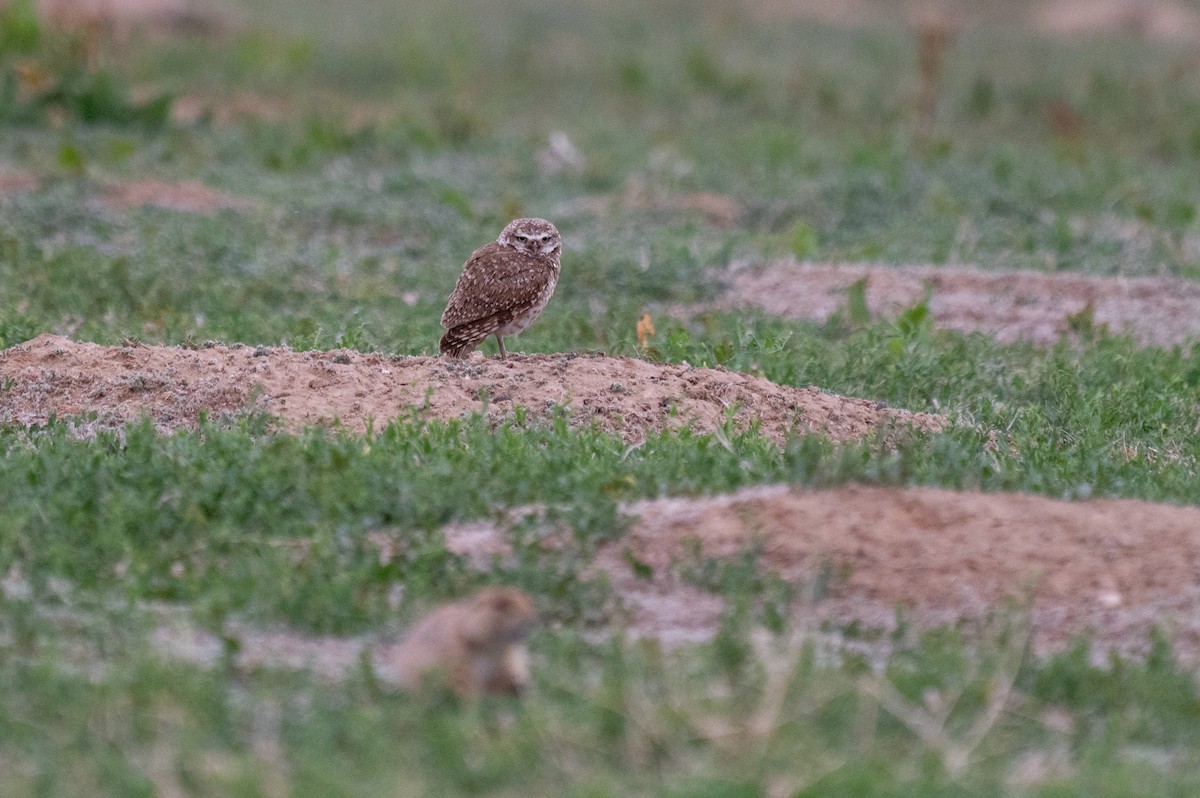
x=503, y=287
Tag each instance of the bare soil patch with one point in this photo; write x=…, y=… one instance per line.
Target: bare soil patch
x=1010, y=306
x=234, y=107
x=1154, y=19
x=639, y=194
x=229, y=108
x=1159, y=20
x=842, y=13
x=188, y=197
x=118, y=18
x=1115, y=568
x=52, y=375
x=12, y=182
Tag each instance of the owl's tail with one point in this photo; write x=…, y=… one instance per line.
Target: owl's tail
x=459, y=342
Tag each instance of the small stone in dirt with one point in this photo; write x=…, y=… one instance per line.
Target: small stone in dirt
x=341, y=358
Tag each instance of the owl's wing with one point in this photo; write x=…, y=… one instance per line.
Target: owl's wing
x=494, y=279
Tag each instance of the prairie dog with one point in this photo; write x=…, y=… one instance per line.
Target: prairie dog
x=477, y=644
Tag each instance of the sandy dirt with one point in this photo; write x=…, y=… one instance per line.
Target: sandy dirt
x=13, y=181
x=1007, y=305
x=1159, y=20
x=172, y=386
x=117, y=19
x=230, y=108
x=188, y=197
x=1115, y=567
x=1165, y=20
x=1112, y=568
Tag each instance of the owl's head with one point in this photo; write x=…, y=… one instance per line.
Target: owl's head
x=532, y=236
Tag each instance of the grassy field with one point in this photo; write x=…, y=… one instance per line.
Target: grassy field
x=394, y=141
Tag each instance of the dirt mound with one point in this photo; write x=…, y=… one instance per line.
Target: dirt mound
x=1158, y=20
x=1010, y=306
x=14, y=181
x=1153, y=19
x=118, y=18
x=235, y=107
x=1114, y=567
x=188, y=197
x=52, y=375
x=841, y=13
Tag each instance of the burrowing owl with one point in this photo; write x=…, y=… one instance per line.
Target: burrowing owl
x=503, y=287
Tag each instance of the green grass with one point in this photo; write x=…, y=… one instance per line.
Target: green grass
x=716, y=719
x=1107, y=419
x=353, y=236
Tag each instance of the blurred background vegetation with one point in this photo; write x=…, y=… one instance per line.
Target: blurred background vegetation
x=369, y=147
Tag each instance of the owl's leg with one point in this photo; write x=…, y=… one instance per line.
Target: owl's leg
x=500, y=341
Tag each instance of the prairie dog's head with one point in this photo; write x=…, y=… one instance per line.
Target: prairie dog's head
x=502, y=614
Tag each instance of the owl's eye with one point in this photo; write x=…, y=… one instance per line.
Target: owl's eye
x=522, y=237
